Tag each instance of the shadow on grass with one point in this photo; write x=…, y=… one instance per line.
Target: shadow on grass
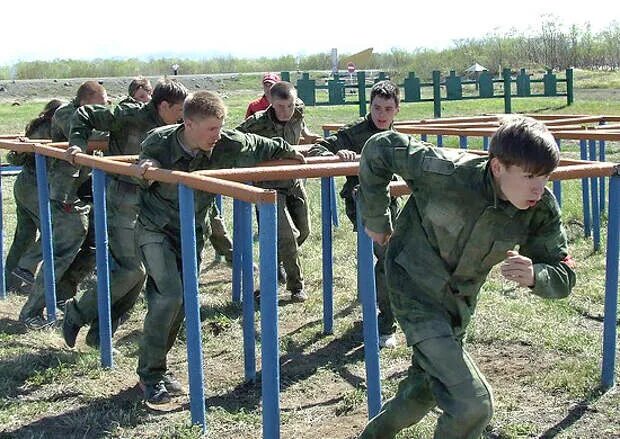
x=574, y=414
x=16, y=371
x=297, y=365
x=93, y=420
x=12, y=327
x=546, y=109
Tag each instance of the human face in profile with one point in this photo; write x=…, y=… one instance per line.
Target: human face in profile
x=519, y=187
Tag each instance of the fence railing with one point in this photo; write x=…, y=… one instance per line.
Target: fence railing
x=450, y=88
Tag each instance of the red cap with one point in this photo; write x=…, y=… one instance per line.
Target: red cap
x=271, y=78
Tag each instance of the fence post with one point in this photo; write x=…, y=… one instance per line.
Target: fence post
x=2, y=264
x=270, y=358
x=611, y=285
x=361, y=91
x=585, y=193
x=328, y=275
x=237, y=258
x=368, y=295
x=570, y=97
x=507, y=91
x=245, y=243
x=437, y=93
x=285, y=76
x=45, y=216
x=103, y=268
x=192, y=308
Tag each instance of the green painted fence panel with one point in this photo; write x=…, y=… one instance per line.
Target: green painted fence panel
x=454, y=88
x=335, y=90
x=412, y=88
x=306, y=88
x=485, y=85
x=550, y=82
x=523, y=84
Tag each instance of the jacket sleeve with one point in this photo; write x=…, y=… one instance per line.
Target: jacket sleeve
x=548, y=249
x=260, y=149
x=383, y=156
x=88, y=118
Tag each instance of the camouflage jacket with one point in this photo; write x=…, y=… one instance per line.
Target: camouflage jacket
x=128, y=124
x=265, y=123
x=352, y=137
x=159, y=202
x=65, y=179
x=452, y=231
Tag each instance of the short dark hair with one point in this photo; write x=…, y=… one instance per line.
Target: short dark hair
x=387, y=90
x=204, y=104
x=283, y=90
x=89, y=89
x=170, y=91
x=527, y=143
x=137, y=83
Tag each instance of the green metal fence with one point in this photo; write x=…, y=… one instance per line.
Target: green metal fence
x=450, y=88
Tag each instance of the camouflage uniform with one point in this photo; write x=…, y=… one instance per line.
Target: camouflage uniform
x=158, y=230
x=448, y=236
x=128, y=124
x=218, y=235
x=25, y=251
x=293, y=217
x=352, y=137
x=73, y=238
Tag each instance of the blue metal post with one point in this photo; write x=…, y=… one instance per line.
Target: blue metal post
x=192, y=308
x=485, y=143
x=45, y=216
x=333, y=201
x=247, y=274
x=332, y=182
x=218, y=203
x=270, y=359
x=440, y=140
x=237, y=252
x=103, y=268
x=328, y=274
x=424, y=137
x=596, y=213
x=601, y=157
x=463, y=142
x=611, y=285
x=367, y=292
x=557, y=184
x=585, y=192
x=2, y=264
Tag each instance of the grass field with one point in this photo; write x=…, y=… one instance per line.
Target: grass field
x=541, y=357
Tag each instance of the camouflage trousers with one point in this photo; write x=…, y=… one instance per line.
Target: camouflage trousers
x=441, y=374
x=25, y=251
x=74, y=255
x=293, y=230
x=127, y=272
x=161, y=254
x=218, y=235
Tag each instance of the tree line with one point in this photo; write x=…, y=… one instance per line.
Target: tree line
x=549, y=46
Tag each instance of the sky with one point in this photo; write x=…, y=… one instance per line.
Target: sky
x=46, y=30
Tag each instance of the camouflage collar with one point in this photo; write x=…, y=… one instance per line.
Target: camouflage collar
x=491, y=189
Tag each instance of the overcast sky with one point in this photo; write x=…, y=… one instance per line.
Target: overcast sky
x=46, y=30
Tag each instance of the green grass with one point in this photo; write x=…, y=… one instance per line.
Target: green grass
x=542, y=357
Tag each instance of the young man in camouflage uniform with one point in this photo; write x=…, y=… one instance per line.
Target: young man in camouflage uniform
x=466, y=214
x=284, y=118
x=74, y=252
x=347, y=143
x=198, y=143
x=128, y=124
x=24, y=256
